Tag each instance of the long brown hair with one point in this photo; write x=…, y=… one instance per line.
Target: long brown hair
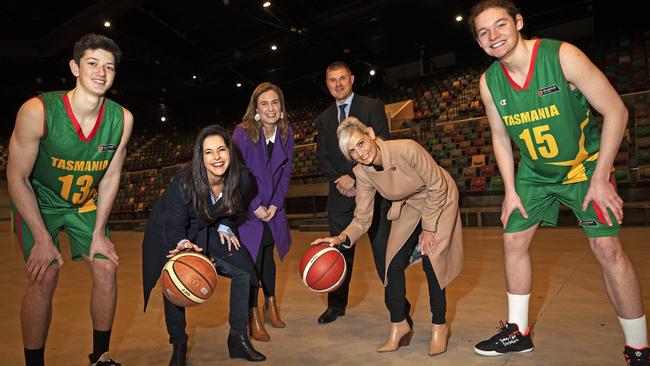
x=195, y=179
x=251, y=126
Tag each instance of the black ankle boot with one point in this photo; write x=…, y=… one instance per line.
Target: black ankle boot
x=239, y=346
x=179, y=355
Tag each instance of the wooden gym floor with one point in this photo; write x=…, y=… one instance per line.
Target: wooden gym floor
x=574, y=323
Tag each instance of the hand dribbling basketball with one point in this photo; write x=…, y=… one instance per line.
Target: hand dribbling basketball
x=183, y=246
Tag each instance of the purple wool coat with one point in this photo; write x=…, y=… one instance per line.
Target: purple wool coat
x=273, y=174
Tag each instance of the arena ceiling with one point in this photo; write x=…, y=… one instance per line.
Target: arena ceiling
x=177, y=52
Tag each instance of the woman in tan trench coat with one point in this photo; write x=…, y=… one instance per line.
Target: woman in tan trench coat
x=424, y=222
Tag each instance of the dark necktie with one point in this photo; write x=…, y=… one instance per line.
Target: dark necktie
x=342, y=112
x=269, y=147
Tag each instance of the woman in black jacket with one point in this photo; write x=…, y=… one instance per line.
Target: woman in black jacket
x=200, y=211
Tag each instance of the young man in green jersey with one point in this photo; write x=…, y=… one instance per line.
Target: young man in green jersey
x=538, y=93
x=65, y=158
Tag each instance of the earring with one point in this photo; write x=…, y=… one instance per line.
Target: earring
x=257, y=117
x=281, y=115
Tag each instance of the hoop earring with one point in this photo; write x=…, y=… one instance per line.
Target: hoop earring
x=281, y=115
x=257, y=117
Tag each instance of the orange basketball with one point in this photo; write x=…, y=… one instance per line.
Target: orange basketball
x=322, y=268
x=188, y=279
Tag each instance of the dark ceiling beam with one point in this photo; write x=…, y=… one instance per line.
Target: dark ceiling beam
x=350, y=13
x=84, y=22
x=253, y=51
x=171, y=29
x=19, y=49
x=272, y=24
x=242, y=76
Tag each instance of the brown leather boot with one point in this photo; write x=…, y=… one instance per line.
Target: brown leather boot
x=256, y=326
x=400, y=336
x=438, y=343
x=271, y=313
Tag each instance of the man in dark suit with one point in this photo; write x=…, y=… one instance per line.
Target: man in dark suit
x=338, y=171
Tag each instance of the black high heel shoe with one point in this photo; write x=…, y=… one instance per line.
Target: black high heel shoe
x=239, y=346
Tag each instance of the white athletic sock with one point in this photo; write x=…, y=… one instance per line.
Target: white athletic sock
x=518, y=311
x=636, y=332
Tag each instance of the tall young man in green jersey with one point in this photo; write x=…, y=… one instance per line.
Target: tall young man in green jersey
x=65, y=158
x=538, y=93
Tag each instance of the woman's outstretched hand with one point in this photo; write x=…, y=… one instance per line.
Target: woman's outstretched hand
x=331, y=241
x=188, y=245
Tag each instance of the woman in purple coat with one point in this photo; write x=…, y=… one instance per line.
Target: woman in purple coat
x=266, y=143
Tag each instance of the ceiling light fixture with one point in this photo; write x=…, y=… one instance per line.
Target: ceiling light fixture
x=459, y=18
x=274, y=47
x=266, y=4
x=372, y=72
x=107, y=24
x=238, y=85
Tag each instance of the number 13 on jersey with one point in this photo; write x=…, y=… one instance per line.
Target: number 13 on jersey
x=84, y=182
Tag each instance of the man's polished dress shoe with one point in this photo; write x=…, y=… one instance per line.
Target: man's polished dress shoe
x=330, y=315
x=239, y=346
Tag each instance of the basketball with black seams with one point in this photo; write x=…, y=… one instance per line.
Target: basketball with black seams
x=188, y=279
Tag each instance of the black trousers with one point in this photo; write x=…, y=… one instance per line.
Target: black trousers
x=265, y=267
x=238, y=317
x=339, y=221
x=395, y=291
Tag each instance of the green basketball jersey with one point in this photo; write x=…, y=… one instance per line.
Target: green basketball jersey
x=70, y=165
x=550, y=123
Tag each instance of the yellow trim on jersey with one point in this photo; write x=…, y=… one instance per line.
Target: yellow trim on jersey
x=88, y=206
x=578, y=172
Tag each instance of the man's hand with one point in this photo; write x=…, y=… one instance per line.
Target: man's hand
x=102, y=245
x=350, y=192
x=510, y=203
x=42, y=254
x=602, y=194
x=344, y=184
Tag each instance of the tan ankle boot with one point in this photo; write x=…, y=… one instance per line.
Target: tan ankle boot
x=256, y=326
x=271, y=313
x=438, y=343
x=400, y=336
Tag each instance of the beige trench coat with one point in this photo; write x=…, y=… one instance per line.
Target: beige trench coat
x=420, y=191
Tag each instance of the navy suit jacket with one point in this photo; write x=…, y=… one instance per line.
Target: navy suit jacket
x=174, y=218
x=330, y=159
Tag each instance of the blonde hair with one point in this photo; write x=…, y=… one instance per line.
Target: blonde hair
x=344, y=131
